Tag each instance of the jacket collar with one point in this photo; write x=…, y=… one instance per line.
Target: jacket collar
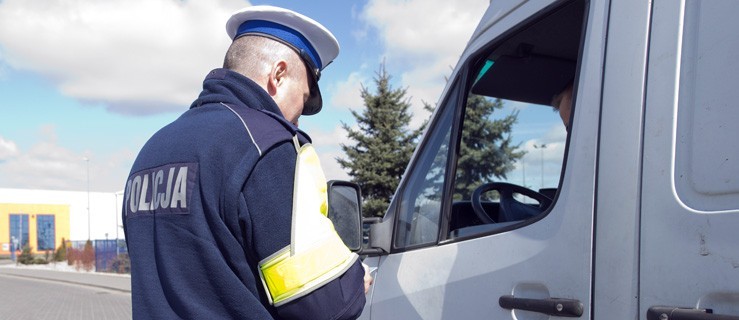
x=223, y=85
x=232, y=88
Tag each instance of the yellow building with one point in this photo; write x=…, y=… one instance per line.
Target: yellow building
x=41, y=226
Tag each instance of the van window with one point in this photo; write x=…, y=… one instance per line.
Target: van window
x=495, y=143
x=512, y=142
x=421, y=199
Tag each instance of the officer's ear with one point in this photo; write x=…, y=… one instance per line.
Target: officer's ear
x=277, y=76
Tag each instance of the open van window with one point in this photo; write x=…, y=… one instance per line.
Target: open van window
x=511, y=145
x=494, y=152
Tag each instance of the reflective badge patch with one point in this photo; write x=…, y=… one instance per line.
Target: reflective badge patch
x=161, y=190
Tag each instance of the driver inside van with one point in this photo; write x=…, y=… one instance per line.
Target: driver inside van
x=562, y=102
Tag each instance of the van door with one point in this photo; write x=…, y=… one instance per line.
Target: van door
x=527, y=254
x=690, y=193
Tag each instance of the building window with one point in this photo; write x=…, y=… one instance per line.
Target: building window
x=19, y=229
x=45, y=231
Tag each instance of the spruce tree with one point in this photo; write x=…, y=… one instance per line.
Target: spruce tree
x=61, y=253
x=383, y=145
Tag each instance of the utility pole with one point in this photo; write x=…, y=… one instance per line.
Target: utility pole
x=87, y=162
x=117, y=215
x=523, y=166
x=541, y=147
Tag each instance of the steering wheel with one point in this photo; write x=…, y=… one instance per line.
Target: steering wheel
x=510, y=208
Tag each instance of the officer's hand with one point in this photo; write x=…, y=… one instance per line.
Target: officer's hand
x=367, y=278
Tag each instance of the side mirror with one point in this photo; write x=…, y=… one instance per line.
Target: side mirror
x=345, y=211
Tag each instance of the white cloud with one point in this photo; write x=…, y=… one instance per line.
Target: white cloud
x=346, y=94
x=422, y=92
x=8, y=149
x=331, y=137
x=426, y=38
x=139, y=56
x=331, y=167
x=46, y=165
x=425, y=27
x=556, y=133
x=328, y=146
x=551, y=145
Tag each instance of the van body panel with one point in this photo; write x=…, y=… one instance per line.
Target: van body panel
x=690, y=206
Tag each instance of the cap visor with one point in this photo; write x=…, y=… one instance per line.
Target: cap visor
x=314, y=103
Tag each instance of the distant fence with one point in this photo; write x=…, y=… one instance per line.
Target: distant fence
x=110, y=255
x=107, y=256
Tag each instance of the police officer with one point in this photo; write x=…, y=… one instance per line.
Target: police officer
x=225, y=208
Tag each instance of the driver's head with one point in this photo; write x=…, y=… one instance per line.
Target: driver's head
x=562, y=102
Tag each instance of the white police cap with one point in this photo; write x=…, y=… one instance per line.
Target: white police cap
x=311, y=40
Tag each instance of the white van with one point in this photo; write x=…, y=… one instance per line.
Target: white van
x=636, y=208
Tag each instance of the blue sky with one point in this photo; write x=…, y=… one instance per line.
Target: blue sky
x=95, y=79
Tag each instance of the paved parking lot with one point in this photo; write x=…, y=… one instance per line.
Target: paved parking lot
x=38, y=295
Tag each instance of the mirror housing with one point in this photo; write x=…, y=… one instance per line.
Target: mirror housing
x=345, y=212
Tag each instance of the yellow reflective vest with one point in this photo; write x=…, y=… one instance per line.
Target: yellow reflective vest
x=316, y=254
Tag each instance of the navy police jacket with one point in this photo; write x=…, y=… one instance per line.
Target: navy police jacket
x=208, y=197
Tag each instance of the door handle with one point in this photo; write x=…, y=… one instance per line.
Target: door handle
x=553, y=306
x=673, y=313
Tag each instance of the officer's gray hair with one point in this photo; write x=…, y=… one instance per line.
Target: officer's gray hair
x=253, y=56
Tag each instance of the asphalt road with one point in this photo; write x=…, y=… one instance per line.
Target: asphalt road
x=27, y=298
